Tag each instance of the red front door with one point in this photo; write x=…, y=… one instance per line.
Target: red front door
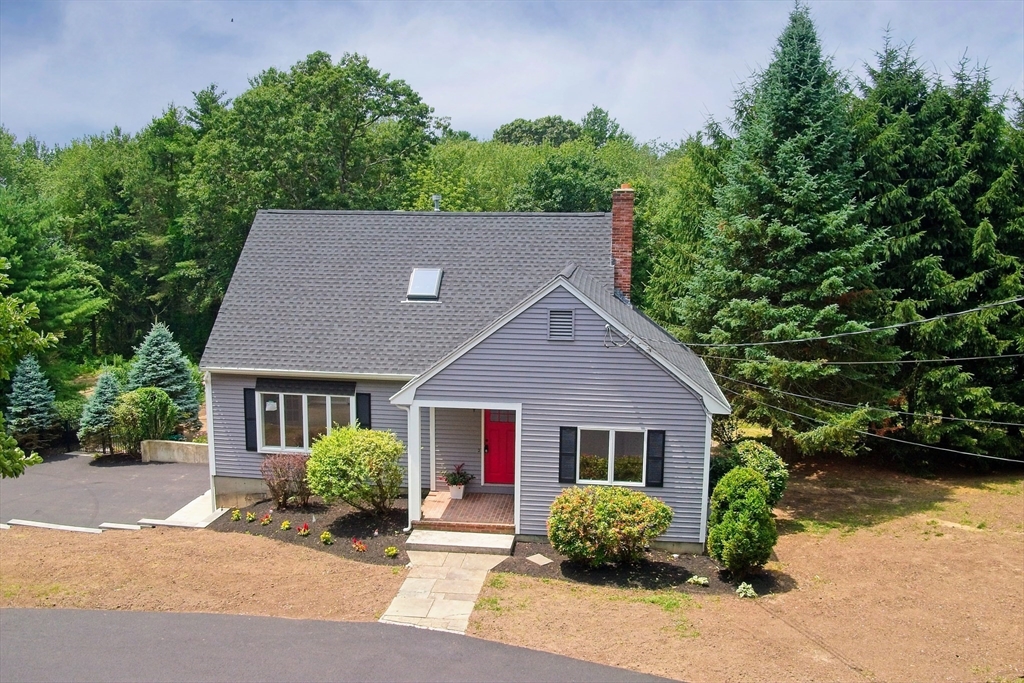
x=499, y=447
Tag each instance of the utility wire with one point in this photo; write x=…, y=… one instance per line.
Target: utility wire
x=848, y=334
x=825, y=361
x=887, y=438
x=853, y=405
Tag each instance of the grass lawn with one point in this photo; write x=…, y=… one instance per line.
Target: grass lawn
x=880, y=576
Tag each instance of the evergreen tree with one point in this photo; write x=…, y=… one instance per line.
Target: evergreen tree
x=13, y=460
x=941, y=175
x=159, y=363
x=30, y=404
x=787, y=256
x=98, y=416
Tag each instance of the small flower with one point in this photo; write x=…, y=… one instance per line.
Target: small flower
x=250, y=516
x=286, y=525
x=391, y=551
x=304, y=529
x=358, y=545
x=236, y=515
x=326, y=538
x=266, y=519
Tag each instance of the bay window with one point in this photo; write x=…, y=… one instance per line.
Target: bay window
x=294, y=421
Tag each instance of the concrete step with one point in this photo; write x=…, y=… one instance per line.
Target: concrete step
x=460, y=542
x=472, y=527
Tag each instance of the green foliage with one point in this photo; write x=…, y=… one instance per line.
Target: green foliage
x=236, y=515
x=143, y=414
x=159, y=363
x=547, y=130
x=768, y=464
x=601, y=524
x=13, y=460
x=721, y=465
x=745, y=590
x=17, y=338
x=786, y=255
x=458, y=476
x=698, y=581
x=285, y=475
x=358, y=466
x=98, y=414
x=741, y=530
x=30, y=411
x=573, y=178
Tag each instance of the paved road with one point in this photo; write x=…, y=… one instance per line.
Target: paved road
x=85, y=645
x=81, y=491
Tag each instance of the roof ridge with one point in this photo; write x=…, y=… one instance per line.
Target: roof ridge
x=363, y=212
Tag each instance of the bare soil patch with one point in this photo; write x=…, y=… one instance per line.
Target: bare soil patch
x=345, y=523
x=188, y=570
x=889, y=578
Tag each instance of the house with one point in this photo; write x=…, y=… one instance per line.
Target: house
x=505, y=341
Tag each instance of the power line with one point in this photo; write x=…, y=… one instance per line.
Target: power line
x=887, y=438
x=848, y=334
x=825, y=361
x=852, y=405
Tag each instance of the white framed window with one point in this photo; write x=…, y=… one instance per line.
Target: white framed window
x=292, y=422
x=611, y=456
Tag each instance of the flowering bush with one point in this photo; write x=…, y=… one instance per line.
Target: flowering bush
x=326, y=538
x=236, y=515
x=391, y=551
x=358, y=545
x=303, y=530
x=266, y=519
x=286, y=525
x=250, y=516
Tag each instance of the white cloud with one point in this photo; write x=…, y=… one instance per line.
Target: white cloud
x=659, y=68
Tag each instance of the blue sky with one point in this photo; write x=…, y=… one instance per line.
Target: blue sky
x=69, y=69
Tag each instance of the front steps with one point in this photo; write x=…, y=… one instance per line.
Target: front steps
x=470, y=527
x=460, y=542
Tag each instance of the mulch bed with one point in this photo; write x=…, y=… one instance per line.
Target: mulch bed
x=343, y=521
x=657, y=571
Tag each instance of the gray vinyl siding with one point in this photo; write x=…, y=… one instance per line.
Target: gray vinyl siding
x=230, y=457
x=589, y=381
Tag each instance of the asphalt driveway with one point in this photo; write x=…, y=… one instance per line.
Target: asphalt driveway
x=160, y=646
x=80, y=491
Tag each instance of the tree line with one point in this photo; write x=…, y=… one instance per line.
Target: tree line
x=822, y=207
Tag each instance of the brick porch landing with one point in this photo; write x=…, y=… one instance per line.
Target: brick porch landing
x=479, y=512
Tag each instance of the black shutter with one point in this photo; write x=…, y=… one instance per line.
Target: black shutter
x=250, y=419
x=567, y=455
x=363, y=411
x=655, y=457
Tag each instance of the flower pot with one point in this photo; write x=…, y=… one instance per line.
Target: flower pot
x=456, y=491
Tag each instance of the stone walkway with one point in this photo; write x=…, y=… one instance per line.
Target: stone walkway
x=441, y=590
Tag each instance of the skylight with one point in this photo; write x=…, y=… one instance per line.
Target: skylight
x=425, y=283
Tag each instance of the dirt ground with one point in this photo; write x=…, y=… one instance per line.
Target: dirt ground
x=878, y=576
x=187, y=570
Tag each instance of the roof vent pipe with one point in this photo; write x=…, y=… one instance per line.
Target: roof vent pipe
x=437, y=201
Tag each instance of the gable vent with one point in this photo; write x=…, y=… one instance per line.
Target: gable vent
x=560, y=325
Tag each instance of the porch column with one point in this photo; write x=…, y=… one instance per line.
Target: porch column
x=414, y=463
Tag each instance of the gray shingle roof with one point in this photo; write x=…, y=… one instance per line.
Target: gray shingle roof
x=324, y=291
x=645, y=330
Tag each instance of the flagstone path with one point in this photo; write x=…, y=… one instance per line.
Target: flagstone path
x=441, y=590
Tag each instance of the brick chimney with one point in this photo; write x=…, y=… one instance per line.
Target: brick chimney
x=622, y=237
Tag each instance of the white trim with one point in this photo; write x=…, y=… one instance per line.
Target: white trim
x=262, y=447
x=407, y=393
x=610, y=481
x=517, y=490
x=310, y=373
x=208, y=386
x=433, y=452
x=707, y=476
x=414, y=483
x=478, y=405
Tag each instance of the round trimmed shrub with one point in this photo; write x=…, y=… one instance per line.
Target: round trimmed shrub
x=358, y=466
x=764, y=460
x=742, y=530
x=147, y=413
x=601, y=524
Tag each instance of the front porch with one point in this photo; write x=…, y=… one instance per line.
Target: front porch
x=476, y=512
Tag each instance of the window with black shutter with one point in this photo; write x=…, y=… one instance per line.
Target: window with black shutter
x=363, y=411
x=250, y=419
x=567, y=455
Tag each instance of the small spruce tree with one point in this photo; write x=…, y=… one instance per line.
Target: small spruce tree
x=159, y=363
x=30, y=404
x=98, y=416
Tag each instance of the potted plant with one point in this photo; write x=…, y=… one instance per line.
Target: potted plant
x=457, y=480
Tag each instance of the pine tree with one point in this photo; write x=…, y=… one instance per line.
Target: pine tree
x=940, y=176
x=97, y=416
x=787, y=256
x=30, y=404
x=159, y=363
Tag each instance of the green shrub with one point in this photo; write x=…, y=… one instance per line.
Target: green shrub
x=285, y=474
x=601, y=524
x=760, y=458
x=146, y=413
x=721, y=465
x=741, y=528
x=358, y=466
x=98, y=414
x=160, y=363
